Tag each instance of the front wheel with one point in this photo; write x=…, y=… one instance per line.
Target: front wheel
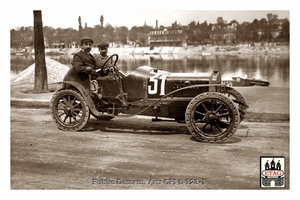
x=237, y=98
x=212, y=117
x=69, y=110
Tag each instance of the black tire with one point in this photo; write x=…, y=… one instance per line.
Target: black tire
x=212, y=117
x=237, y=98
x=69, y=110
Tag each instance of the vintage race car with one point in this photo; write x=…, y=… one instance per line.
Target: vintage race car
x=211, y=110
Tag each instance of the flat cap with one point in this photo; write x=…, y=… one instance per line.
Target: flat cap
x=84, y=40
x=103, y=44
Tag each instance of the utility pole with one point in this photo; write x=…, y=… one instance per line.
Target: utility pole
x=40, y=72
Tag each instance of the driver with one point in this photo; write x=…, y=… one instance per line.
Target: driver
x=83, y=61
x=83, y=64
x=100, y=60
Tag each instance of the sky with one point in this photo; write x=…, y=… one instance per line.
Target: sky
x=139, y=17
x=59, y=14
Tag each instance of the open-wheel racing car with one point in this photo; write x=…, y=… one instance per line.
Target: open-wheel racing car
x=211, y=110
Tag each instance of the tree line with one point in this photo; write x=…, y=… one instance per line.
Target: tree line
x=269, y=29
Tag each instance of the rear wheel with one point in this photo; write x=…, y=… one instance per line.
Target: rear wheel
x=69, y=110
x=212, y=117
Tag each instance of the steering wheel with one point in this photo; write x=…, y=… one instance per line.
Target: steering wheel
x=112, y=58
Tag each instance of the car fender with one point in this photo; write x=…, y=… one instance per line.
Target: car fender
x=85, y=95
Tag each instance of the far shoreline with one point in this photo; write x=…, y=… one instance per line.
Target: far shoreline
x=190, y=50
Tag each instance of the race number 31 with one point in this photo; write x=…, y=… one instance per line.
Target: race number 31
x=157, y=84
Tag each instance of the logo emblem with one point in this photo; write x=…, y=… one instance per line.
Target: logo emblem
x=272, y=171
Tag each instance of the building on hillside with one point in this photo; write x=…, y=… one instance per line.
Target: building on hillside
x=224, y=33
x=167, y=36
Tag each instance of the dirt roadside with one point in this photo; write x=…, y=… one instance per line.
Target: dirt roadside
x=136, y=153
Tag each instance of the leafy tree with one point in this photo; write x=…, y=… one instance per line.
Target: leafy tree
x=87, y=32
x=220, y=21
x=101, y=20
x=98, y=34
x=122, y=33
x=205, y=29
x=218, y=31
x=192, y=25
x=48, y=35
x=242, y=33
x=255, y=37
x=69, y=36
x=146, y=29
x=79, y=29
x=263, y=23
x=133, y=34
x=285, y=31
x=109, y=34
x=255, y=25
x=272, y=18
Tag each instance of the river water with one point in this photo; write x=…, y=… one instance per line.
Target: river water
x=274, y=68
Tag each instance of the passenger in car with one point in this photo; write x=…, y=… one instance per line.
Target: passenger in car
x=100, y=60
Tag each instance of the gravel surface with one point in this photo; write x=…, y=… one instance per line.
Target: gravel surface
x=55, y=71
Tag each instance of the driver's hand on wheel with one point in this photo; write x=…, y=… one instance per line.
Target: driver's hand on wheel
x=88, y=70
x=91, y=71
x=111, y=69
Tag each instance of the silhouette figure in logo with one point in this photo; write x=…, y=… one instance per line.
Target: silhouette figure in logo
x=278, y=165
x=273, y=164
x=267, y=165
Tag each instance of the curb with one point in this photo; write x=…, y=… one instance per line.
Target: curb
x=30, y=104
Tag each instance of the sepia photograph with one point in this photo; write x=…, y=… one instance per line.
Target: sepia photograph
x=108, y=96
